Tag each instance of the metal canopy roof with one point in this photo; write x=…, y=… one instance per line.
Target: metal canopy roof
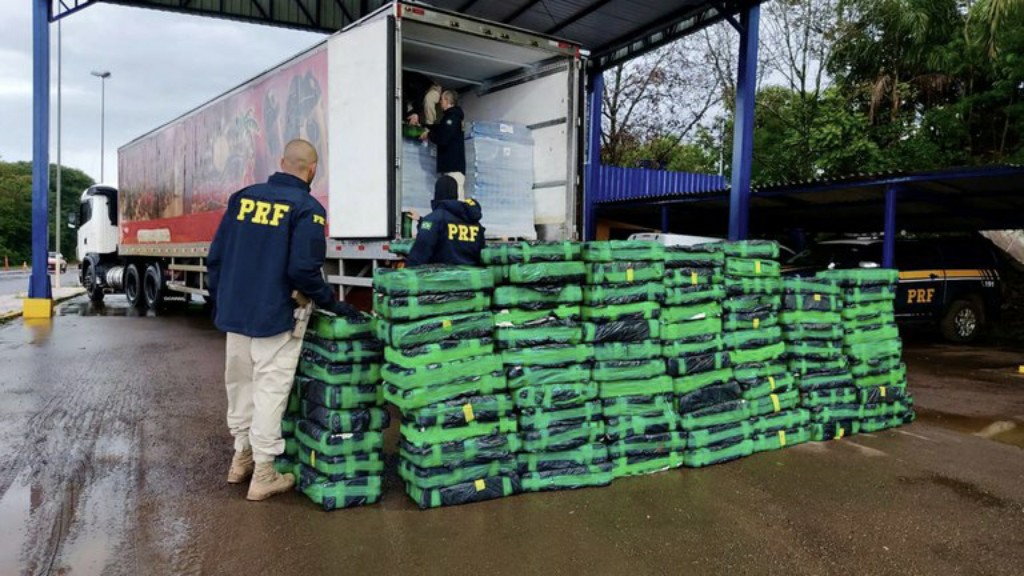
x=959, y=200
x=613, y=30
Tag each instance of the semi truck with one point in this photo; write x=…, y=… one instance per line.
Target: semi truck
x=149, y=237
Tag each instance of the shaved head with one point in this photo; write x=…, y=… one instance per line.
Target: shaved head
x=300, y=160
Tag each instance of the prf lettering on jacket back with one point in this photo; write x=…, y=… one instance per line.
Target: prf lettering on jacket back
x=920, y=295
x=265, y=213
x=464, y=232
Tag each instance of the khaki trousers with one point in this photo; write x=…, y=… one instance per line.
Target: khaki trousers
x=460, y=179
x=431, y=103
x=258, y=375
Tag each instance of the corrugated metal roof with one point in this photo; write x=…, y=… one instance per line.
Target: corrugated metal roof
x=613, y=30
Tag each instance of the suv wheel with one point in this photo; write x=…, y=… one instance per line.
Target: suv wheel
x=963, y=322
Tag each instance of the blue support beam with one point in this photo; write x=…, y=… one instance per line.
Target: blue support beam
x=593, y=171
x=889, y=237
x=39, y=282
x=664, y=218
x=743, y=134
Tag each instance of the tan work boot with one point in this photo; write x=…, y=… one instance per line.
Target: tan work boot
x=266, y=482
x=241, y=467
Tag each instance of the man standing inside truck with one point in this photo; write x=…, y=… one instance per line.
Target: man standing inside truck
x=451, y=233
x=451, y=146
x=421, y=95
x=270, y=242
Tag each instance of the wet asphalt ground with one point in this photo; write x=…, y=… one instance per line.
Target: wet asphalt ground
x=113, y=451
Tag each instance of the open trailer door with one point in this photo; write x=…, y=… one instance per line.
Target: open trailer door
x=361, y=120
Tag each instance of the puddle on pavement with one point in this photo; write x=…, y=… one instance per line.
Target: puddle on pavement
x=15, y=508
x=117, y=306
x=1003, y=431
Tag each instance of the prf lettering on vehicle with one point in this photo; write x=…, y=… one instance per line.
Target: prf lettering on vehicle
x=920, y=295
x=265, y=213
x=464, y=232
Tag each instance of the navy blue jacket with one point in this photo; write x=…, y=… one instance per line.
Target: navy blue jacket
x=269, y=242
x=451, y=142
x=451, y=234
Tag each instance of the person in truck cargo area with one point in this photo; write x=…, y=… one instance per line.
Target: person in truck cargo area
x=451, y=233
x=451, y=146
x=422, y=96
x=270, y=242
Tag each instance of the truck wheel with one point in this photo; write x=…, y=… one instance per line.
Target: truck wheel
x=93, y=287
x=153, y=286
x=963, y=322
x=133, y=286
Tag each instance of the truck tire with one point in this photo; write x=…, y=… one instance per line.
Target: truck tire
x=133, y=286
x=963, y=322
x=153, y=287
x=92, y=283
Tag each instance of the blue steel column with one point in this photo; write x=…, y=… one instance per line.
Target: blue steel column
x=743, y=131
x=593, y=173
x=664, y=218
x=889, y=239
x=39, y=283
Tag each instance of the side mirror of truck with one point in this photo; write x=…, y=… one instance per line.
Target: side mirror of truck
x=72, y=220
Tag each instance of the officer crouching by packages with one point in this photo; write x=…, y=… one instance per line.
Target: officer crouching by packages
x=451, y=233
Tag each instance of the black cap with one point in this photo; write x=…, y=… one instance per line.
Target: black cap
x=446, y=188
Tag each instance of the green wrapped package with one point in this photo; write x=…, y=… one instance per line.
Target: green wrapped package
x=888, y=333
x=476, y=491
x=331, y=327
x=814, y=350
x=339, y=397
x=431, y=279
x=867, y=310
x=752, y=268
x=721, y=434
x=562, y=315
x=569, y=478
x=821, y=431
x=810, y=287
x=586, y=455
x=336, y=495
x=717, y=454
x=561, y=438
x=461, y=411
x=618, y=428
x=422, y=376
x=285, y=464
x=874, y=366
x=861, y=277
x=757, y=355
x=294, y=401
x=537, y=297
x=615, y=250
x=774, y=403
x=677, y=314
x=621, y=331
x=627, y=370
x=750, y=249
x=647, y=387
x=882, y=394
x=624, y=272
x=439, y=434
x=522, y=376
x=693, y=279
x=707, y=397
x=648, y=445
x=433, y=478
x=738, y=321
x=812, y=332
x=869, y=294
x=621, y=351
x=315, y=366
x=526, y=252
x=412, y=398
x=636, y=405
x=438, y=352
x=790, y=318
x=675, y=349
x=883, y=410
x=406, y=308
x=291, y=447
x=825, y=380
x=804, y=366
x=769, y=384
x=752, y=303
x=746, y=339
x=555, y=395
x=815, y=302
x=688, y=257
x=401, y=247
x=724, y=413
x=551, y=355
x=640, y=465
x=539, y=418
x=692, y=331
x=688, y=384
x=781, y=439
x=896, y=377
x=619, y=294
x=873, y=350
x=870, y=425
x=690, y=365
x=329, y=443
x=552, y=332
x=436, y=329
x=453, y=454
x=838, y=412
x=870, y=324
x=337, y=421
x=288, y=425
x=828, y=397
x=682, y=296
x=546, y=273
x=342, y=467
x=353, y=351
x=752, y=286
x=785, y=420
x=616, y=312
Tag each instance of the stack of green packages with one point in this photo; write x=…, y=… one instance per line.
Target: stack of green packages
x=538, y=328
x=621, y=310
x=285, y=463
x=458, y=431
x=339, y=432
x=872, y=346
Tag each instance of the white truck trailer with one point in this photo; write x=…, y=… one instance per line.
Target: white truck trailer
x=150, y=236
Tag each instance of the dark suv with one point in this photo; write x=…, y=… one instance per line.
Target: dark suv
x=951, y=282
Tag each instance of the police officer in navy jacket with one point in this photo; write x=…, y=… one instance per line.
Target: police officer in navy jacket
x=451, y=233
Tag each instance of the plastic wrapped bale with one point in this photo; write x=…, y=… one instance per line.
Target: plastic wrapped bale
x=619, y=250
x=528, y=252
x=436, y=329
x=405, y=308
x=337, y=494
x=700, y=256
x=765, y=249
x=537, y=296
x=466, y=492
x=639, y=465
x=717, y=453
x=624, y=272
x=567, y=478
x=431, y=279
x=499, y=173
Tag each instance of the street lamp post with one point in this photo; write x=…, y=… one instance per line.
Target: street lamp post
x=102, y=75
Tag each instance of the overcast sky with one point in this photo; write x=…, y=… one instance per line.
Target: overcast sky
x=162, y=65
